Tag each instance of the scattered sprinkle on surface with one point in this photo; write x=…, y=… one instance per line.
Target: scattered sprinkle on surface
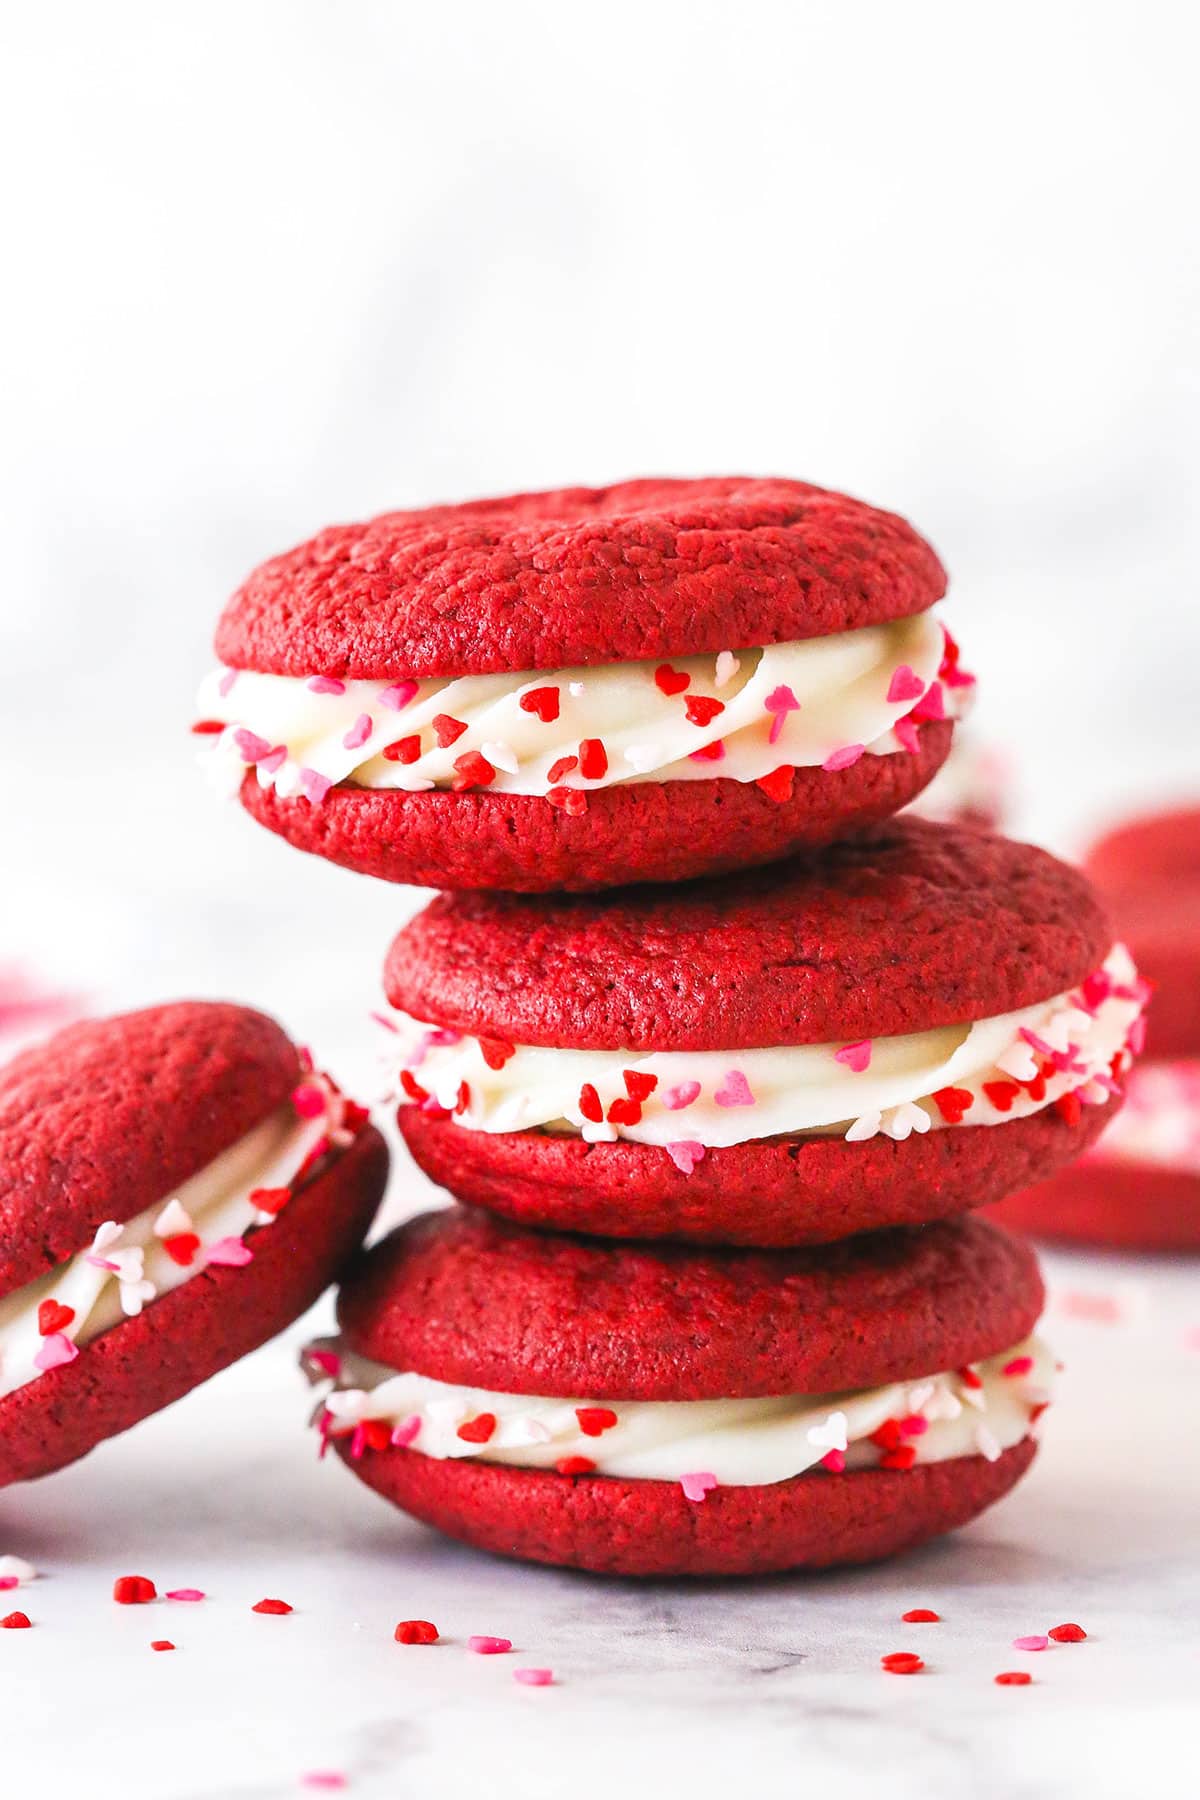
x=271, y=1606
x=489, y=1646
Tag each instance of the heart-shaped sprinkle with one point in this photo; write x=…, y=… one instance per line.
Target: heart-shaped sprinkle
x=276, y=1608
x=404, y=750
x=228, y=1253
x=489, y=1646
x=134, y=1590
x=52, y=1317
x=544, y=701
x=447, y=730
x=845, y=758
x=251, y=748
x=1036, y=1642
x=309, y=1100
x=933, y=705
x=314, y=786
x=779, y=703
x=270, y=1200
x=685, y=1154
x=709, y=752
x=830, y=1434
x=407, y=1431
x=416, y=1631
x=638, y=1085
x=472, y=770
x=534, y=1677
x=1001, y=1094
x=593, y=1420
x=697, y=1484
x=593, y=759
x=727, y=667
x=1067, y=1634
x=572, y=801
x=271, y=765
x=702, y=711
x=1019, y=1365
x=834, y=1461
x=359, y=732
x=325, y=684
x=734, y=1090
x=183, y=1248
x=575, y=1465
x=188, y=1594
x=778, y=784
x=671, y=681
x=952, y=1103
x=477, y=1430
x=399, y=695
x=681, y=1095
x=855, y=1056
x=624, y=1111
x=55, y=1353
x=905, y=684
x=496, y=1051
x=225, y=685
x=589, y=1104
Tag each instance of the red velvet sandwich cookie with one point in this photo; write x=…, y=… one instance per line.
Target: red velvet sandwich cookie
x=910, y=1024
x=581, y=688
x=669, y=1410
x=176, y=1186
x=1139, y=1187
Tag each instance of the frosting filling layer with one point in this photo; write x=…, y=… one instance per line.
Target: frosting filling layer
x=982, y=1410
x=45, y=1324
x=822, y=702
x=1067, y=1052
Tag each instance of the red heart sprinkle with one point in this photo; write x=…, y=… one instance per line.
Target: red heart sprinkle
x=902, y=1458
x=52, y=1317
x=921, y=1615
x=638, y=1085
x=477, y=1430
x=271, y=1606
x=595, y=1419
x=404, y=750
x=413, y=1088
x=15, y=1621
x=496, y=1051
x=624, y=1112
x=134, y=1590
x=472, y=770
x=543, y=701
x=463, y=1098
x=447, y=730
x=416, y=1631
x=952, y=1103
x=1001, y=1094
x=572, y=801
x=671, y=681
x=702, y=711
x=779, y=783
x=1067, y=1634
x=1013, y=1678
x=161, y=1644
x=593, y=759
x=575, y=1465
x=902, y=1662
x=888, y=1436
x=182, y=1247
x=589, y=1103
x=1069, y=1107
x=270, y=1200
x=562, y=767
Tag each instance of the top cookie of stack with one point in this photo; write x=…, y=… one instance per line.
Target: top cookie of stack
x=588, y=687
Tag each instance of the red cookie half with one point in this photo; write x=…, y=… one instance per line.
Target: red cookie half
x=106, y=1122
x=879, y=936
x=473, y=1301
x=571, y=579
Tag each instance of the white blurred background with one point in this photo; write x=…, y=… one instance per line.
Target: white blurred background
x=271, y=265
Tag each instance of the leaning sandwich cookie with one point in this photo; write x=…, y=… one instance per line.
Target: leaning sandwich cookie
x=577, y=689
x=905, y=1026
x=556, y=1399
x=176, y=1186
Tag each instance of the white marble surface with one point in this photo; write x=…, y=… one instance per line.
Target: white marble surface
x=688, y=1689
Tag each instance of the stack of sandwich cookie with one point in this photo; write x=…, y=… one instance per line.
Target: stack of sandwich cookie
x=715, y=1303
x=176, y=1186
x=1139, y=1187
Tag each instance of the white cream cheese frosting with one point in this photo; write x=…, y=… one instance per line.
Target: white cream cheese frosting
x=986, y=1073
x=201, y=1225
x=821, y=702
x=979, y=1411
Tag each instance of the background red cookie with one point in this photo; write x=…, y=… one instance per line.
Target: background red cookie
x=473, y=1301
x=877, y=936
x=1117, y=1205
x=101, y=1123
x=583, y=576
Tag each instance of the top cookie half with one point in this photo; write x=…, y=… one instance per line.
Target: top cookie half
x=587, y=687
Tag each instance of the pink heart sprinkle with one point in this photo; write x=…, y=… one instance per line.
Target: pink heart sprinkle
x=734, y=1090
x=328, y=1779
x=676, y=1098
x=275, y=761
x=855, y=1056
x=1031, y=1643
x=314, y=786
x=1020, y=1365
x=1035, y=1042
x=399, y=695
x=328, y=1361
x=834, y=1461
x=325, y=684
x=308, y=1100
x=845, y=758
x=697, y=1484
x=534, y=1677
x=904, y=685
x=907, y=735
x=780, y=701
x=685, y=1154
x=489, y=1646
x=406, y=1431
x=933, y=706
x=228, y=1253
x=102, y=1262
x=226, y=682
x=359, y=732
x=251, y=747
x=56, y=1351
x=9, y=1581
x=185, y=1594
